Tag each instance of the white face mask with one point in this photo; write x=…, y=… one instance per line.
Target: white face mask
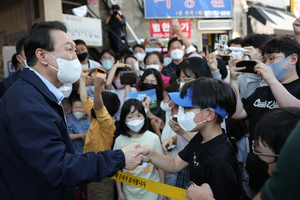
x=66, y=90
x=139, y=56
x=165, y=106
x=153, y=67
x=176, y=54
x=24, y=60
x=186, y=119
x=68, y=70
x=181, y=85
x=167, y=61
x=79, y=115
x=135, y=125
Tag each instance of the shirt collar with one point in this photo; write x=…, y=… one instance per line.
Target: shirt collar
x=56, y=92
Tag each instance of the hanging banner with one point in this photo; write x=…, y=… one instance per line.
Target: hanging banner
x=161, y=29
x=188, y=8
x=87, y=29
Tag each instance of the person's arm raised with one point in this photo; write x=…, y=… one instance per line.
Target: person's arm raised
x=240, y=113
x=82, y=89
x=178, y=30
x=283, y=97
x=296, y=27
x=100, y=80
x=111, y=74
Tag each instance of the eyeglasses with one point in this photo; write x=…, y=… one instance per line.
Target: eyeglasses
x=186, y=80
x=270, y=58
x=261, y=154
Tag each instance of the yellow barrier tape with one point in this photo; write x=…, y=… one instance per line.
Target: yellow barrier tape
x=152, y=186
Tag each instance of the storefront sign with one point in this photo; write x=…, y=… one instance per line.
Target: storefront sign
x=87, y=29
x=93, y=3
x=8, y=52
x=188, y=8
x=161, y=29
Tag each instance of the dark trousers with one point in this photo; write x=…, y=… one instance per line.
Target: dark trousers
x=115, y=43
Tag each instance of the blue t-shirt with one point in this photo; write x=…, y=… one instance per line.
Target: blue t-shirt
x=78, y=126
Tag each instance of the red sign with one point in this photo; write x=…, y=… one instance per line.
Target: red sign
x=161, y=29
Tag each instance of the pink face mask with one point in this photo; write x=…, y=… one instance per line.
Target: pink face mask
x=118, y=84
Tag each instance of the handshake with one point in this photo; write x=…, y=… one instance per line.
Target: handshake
x=135, y=155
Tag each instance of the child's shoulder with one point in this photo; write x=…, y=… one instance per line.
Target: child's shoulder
x=151, y=135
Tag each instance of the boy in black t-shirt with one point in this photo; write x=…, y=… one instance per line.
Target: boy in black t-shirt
x=211, y=158
x=278, y=69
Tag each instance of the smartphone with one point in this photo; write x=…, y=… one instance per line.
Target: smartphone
x=153, y=40
x=249, y=64
x=175, y=21
x=223, y=39
x=225, y=58
x=100, y=70
x=174, y=118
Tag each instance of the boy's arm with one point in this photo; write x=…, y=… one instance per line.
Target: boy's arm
x=282, y=96
x=240, y=113
x=167, y=163
x=82, y=89
x=162, y=176
x=75, y=136
x=119, y=190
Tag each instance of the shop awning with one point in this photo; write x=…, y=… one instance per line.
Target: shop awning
x=270, y=21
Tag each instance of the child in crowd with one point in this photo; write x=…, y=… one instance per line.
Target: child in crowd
x=78, y=124
x=133, y=127
x=100, y=133
x=210, y=156
x=171, y=109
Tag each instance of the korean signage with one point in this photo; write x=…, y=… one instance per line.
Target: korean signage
x=84, y=28
x=161, y=29
x=8, y=52
x=188, y=8
x=93, y=3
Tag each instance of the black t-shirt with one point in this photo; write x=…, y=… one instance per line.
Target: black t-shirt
x=262, y=101
x=213, y=162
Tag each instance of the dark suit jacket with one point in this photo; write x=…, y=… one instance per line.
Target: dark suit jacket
x=37, y=159
x=6, y=83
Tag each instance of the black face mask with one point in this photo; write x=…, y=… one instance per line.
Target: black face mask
x=148, y=86
x=82, y=57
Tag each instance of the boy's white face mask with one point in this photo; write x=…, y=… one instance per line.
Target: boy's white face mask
x=186, y=119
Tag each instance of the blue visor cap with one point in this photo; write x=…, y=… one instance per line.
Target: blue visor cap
x=187, y=102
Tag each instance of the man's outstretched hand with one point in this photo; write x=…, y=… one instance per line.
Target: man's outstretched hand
x=134, y=157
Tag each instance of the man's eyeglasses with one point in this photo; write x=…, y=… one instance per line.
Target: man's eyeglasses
x=270, y=58
x=261, y=154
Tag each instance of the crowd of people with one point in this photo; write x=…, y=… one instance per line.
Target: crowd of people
x=68, y=123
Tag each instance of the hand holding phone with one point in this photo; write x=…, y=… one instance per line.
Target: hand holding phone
x=153, y=39
x=249, y=64
x=100, y=70
x=175, y=21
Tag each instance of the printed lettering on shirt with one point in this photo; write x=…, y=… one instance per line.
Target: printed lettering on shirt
x=266, y=104
x=196, y=164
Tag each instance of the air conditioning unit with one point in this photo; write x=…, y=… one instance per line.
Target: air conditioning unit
x=218, y=24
